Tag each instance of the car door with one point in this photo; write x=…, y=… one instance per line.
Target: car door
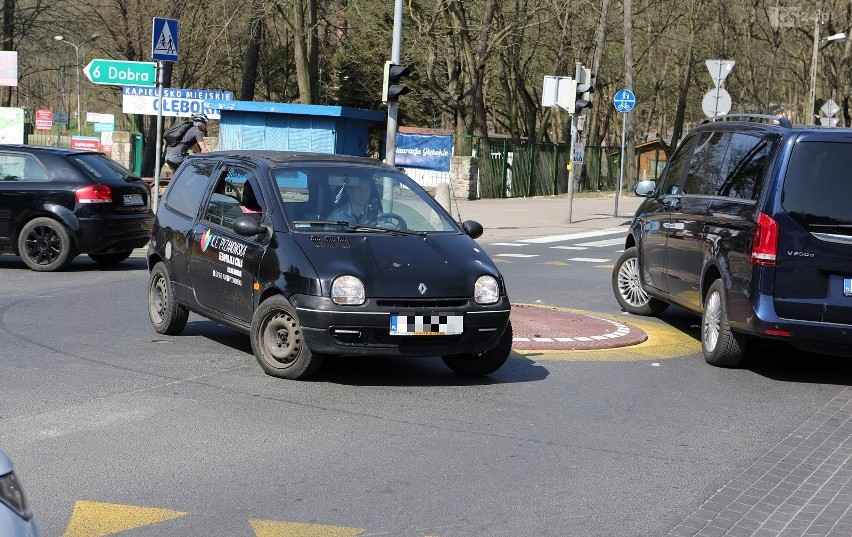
x=656, y=216
x=183, y=199
x=24, y=185
x=223, y=264
x=685, y=233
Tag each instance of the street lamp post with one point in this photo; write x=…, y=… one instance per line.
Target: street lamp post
x=77, y=54
x=809, y=105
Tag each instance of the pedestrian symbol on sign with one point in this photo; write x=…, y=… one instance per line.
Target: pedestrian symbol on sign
x=165, y=45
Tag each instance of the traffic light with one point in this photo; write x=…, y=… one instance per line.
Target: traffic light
x=392, y=87
x=583, y=91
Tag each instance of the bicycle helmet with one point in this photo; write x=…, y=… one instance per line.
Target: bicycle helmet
x=199, y=118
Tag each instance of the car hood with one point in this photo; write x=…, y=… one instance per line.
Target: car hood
x=395, y=266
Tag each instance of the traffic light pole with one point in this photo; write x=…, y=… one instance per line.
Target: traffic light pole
x=159, y=144
x=578, y=73
x=393, y=106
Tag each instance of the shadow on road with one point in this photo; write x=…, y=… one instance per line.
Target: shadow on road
x=80, y=264
x=382, y=370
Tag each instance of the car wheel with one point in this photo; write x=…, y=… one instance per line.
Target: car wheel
x=45, y=245
x=627, y=286
x=484, y=363
x=722, y=347
x=110, y=258
x=167, y=316
x=279, y=343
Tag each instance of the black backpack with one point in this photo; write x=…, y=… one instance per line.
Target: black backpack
x=176, y=132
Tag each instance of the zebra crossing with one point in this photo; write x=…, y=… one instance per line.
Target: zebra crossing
x=600, y=247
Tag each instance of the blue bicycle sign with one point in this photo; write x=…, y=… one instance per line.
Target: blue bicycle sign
x=624, y=100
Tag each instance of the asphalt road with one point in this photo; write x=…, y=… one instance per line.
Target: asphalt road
x=185, y=435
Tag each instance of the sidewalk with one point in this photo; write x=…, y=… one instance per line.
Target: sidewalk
x=520, y=218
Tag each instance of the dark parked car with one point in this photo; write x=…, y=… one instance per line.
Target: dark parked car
x=750, y=227
x=58, y=203
x=316, y=255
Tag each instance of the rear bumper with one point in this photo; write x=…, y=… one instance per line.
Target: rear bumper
x=365, y=330
x=764, y=321
x=113, y=232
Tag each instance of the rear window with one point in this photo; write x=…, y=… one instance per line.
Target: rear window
x=818, y=187
x=100, y=168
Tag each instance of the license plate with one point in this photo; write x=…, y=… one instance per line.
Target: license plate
x=133, y=199
x=426, y=325
x=847, y=286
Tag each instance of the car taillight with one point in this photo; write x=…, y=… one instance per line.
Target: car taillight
x=94, y=194
x=764, y=249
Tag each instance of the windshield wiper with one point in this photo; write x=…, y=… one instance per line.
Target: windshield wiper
x=358, y=227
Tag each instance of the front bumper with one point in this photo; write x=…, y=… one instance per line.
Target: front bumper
x=365, y=330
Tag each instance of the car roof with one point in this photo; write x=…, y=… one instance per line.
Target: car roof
x=45, y=149
x=766, y=123
x=272, y=157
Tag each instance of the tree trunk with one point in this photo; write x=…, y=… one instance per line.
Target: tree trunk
x=593, y=158
x=306, y=43
x=630, y=145
x=8, y=41
x=252, y=52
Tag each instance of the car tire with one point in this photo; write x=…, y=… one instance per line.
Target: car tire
x=45, y=245
x=722, y=346
x=278, y=342
x=110, y=258
x=627, y=286
x=167, y=316
x=483, y=363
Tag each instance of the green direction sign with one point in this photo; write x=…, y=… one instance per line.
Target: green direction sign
x=121, y=73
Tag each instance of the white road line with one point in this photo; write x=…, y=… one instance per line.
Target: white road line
x=569, y=247
x=516, y=255
x=606, y=242
x=507, y=244
x=588, y=259
x=581, y=235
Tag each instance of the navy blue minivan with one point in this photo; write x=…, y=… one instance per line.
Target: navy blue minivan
x=750, y=227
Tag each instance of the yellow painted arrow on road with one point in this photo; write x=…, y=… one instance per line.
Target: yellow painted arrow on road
x=272, y=528
x=94, y=519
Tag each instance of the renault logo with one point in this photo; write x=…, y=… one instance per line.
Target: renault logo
x=422, y=288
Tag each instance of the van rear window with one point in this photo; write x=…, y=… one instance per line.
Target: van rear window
x=818, y=187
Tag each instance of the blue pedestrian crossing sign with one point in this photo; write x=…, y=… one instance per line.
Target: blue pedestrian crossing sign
x=164, y=40
x=624, y=100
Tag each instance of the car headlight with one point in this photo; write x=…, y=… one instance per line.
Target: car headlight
x=486, y=290
x=347, y=290
x=12, y=495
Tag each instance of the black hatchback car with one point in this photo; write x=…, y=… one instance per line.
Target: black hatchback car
x=749, y=227
x=57, y=203
x=316, y=255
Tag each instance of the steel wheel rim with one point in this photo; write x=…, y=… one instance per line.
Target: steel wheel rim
x=43, y=245
x=629, y=286
x=282, y=338
x=712, y=321
x=159, y=299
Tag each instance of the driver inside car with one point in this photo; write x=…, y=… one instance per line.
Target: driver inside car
x=357, y=202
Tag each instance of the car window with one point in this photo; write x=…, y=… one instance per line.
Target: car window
x=188, y=188
x=704, y=174
x=20, y=167
x=100, y=167
x=745, y=165
x=235, y=194
x=818, y=187
x=314, y=195
x=670, y=184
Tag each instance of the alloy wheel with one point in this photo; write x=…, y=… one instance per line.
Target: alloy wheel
x=712, y=321
x=629, y=286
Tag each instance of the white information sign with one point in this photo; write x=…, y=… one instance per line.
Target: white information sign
x=176, y=102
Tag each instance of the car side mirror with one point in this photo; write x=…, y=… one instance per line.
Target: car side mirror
x=645, y=188
x=472, y=228
x=247, y=226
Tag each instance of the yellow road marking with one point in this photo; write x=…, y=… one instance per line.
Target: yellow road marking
x=605, y=266
x=663, y=342
x=93, y=519
x=273, y=528
x=554, y=263
x=498, y=260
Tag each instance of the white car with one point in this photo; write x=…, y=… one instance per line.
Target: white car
x=16, y=519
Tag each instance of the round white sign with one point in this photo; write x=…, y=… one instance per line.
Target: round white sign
x=716, y=102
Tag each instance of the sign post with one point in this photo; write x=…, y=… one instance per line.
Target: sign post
x=624, y=102
x=164, y=48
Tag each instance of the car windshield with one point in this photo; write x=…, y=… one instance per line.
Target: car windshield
x=347, y=198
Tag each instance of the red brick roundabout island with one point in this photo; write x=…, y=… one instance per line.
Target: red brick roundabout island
x=543, y=328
